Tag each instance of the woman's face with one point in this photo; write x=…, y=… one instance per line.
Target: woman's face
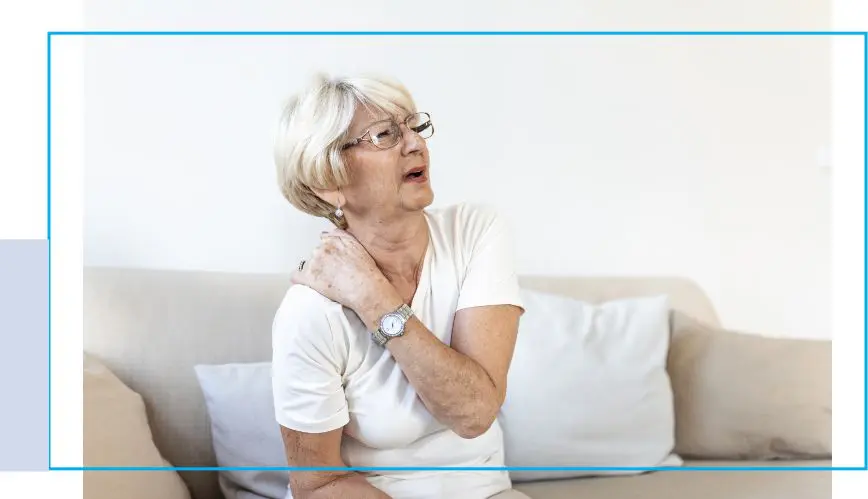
x=386, y=182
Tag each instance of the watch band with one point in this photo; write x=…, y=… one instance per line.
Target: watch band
x=405, y=312
x=379, y=338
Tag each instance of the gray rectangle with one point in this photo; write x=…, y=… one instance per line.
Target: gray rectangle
x=24, y=355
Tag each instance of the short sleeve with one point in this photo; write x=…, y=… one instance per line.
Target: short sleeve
x=490, y=277
x=307, y=382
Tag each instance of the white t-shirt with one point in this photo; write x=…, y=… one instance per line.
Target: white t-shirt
x=328, y=373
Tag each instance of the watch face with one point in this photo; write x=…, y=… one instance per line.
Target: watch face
x=392, y=325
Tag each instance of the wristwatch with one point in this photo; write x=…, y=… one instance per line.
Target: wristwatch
x=392, y=325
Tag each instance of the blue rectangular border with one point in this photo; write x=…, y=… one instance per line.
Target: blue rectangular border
x=864, y=36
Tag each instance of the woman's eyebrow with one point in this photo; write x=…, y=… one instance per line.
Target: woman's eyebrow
x=368, y=125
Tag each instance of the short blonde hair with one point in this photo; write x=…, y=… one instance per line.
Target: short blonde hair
x=313, y=129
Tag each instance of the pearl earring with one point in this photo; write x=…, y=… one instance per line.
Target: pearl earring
x=339, y=212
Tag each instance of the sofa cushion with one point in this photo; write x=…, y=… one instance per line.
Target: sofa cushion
x=746, y=396
x=117, y=433
x=693, y=484
x=588, y=387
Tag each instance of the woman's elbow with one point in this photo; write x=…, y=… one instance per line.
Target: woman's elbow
x=475, y=426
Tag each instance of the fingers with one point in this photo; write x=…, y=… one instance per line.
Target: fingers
x=325, y=236
x=295, y=277
x=331, y=241
x=300, y=276
x=336, y=242
x=336, y=233
x=328, y=238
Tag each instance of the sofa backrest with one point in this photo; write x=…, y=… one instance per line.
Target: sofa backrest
x=150, y=327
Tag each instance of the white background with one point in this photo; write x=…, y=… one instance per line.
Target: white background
x=606, y=155
x=698, y=157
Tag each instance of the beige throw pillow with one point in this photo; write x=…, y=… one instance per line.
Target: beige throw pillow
x=117, y=433
x=745, y=396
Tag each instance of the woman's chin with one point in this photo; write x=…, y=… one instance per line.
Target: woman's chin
x=420, y=201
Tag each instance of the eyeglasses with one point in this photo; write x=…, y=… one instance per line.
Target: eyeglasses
x=386, y=134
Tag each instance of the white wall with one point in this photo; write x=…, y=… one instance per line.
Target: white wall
x=611, y=155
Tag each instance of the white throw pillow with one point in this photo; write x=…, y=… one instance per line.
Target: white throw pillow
x=588, y=387
x=244, y=432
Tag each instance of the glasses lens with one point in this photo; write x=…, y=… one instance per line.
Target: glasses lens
x=421, y=124
x=384, y=134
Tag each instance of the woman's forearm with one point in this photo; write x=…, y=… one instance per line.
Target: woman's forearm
x=455, y=389
x=349, y=485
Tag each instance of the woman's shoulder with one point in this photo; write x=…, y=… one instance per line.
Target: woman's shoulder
x=463, y=230
x=301, y=296
x=466, y=216
x=304, y=340
x=303, y=307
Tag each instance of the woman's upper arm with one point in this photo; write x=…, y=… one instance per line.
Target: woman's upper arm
x=307, y=367
x=489, y=301
x=489, y=276
x=487, y=335
x=309, y=401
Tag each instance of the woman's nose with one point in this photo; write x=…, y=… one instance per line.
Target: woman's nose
x=412, y=140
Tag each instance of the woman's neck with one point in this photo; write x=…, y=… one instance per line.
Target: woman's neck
x=397, y=246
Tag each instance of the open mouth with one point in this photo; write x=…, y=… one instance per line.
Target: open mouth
x=415, y=175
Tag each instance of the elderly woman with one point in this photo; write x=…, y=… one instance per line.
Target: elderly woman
x=392, y=346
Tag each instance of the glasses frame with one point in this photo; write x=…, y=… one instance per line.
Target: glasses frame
x=365, y=137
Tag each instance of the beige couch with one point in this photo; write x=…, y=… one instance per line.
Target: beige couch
x=740, y=400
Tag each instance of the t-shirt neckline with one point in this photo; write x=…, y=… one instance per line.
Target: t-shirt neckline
x=424, y=278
